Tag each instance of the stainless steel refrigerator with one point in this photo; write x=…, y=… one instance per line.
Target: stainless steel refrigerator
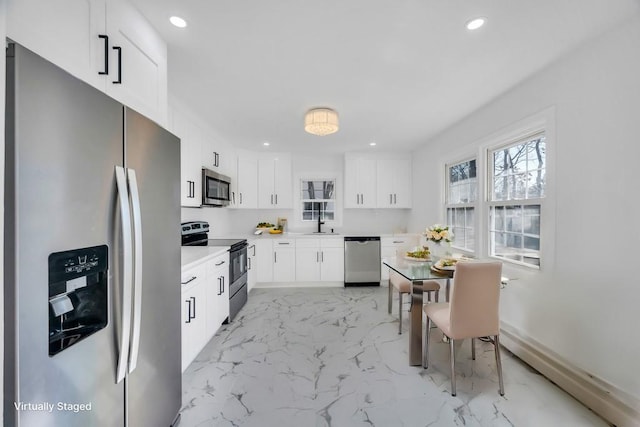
x=92, y=256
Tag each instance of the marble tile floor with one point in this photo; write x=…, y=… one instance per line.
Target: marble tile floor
x=333, y=357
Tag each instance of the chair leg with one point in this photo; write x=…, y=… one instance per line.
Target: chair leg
x=399, y=313
x=473, y=349
x=390, y=295
x=435, y=297
x=452, y=351
x=496, y=343
x=425, y=344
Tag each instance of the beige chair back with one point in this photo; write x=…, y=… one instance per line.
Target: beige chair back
x=475, y=300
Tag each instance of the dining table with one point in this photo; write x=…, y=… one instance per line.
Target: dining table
x=417, y=271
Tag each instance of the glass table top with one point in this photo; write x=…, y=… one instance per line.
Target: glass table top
x=416, y=270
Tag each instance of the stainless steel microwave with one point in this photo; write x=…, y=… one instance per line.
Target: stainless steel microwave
x=215, y=188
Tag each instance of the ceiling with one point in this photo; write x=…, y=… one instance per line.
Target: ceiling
x=398, y=72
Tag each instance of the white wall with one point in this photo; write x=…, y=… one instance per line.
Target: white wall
x=578, y=306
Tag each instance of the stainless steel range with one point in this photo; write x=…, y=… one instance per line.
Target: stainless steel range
x=196, y=234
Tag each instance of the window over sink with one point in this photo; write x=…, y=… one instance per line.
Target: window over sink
x=318, y=199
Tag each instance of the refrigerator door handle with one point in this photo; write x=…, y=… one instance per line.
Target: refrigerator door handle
x=127, y=273
x=137, y=268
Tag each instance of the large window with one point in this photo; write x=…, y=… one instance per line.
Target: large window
x=462, y=190
x=516, y=193
x=318, y=199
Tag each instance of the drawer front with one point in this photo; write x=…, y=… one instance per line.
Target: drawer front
x=193, y=276
x=284, y=243
x=307, y=243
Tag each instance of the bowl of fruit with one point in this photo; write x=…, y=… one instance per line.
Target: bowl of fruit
x=419, y=254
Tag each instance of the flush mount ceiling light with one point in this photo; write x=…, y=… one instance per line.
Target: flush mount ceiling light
x=321, y=121
x=178, y=22
x=476, y=23
x=373, y=144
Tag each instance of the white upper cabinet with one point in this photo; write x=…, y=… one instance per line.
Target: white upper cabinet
x=138, y=62
x=244, y=192
x=109, y=45
x=75, y=24
x=393, y=181
x=275, y=182
x=190, y=161
x=360, y=181
x=381, y=180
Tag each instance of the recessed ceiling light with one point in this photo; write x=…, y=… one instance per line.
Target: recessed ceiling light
x=266, y=144
x=373, y=144
x=178, y=22
x=476, y=23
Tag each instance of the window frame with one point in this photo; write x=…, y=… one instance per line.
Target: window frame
x=296, y=223
x=521, y=138
x=302, y=201
x=465, y=205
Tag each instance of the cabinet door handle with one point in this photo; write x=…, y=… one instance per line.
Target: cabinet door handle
x=390, y=199
x=395, y=201
x=276, y=199
x=119, y=50
x=233, y=197
x=275, y=257
x=216, y=159
x=362, y=198
x=194, y=307
x=223, y=284
x=220, y=285
x=272, y=199
x=317, y=256
x=283, y=243
x=249, y=263
x=106, y=54
x=190, y=280
x=188, y=311
x=240, y=198
x=219, y=263
x=321, y=256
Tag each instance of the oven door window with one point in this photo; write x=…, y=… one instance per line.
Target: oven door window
x=216, y=189
x=238, y=264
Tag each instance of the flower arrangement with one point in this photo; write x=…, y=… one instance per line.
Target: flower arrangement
x=438, y=233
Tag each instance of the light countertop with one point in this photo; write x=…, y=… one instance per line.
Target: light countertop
x=194, y=255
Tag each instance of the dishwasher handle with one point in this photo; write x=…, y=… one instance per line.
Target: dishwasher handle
x=362, y=239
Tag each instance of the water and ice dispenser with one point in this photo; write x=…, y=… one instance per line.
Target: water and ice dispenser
x=78, y=302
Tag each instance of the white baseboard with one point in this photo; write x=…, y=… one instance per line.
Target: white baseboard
x=606, y=400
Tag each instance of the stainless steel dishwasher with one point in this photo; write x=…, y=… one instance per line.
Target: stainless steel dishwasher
x=362, y=261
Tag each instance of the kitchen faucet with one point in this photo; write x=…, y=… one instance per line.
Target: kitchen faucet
x=320, y=222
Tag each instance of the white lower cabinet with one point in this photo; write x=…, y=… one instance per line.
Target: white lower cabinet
x=276, y=260
x=252, y=265
x=193, y=313
x=205, y=304
x=320, y=260
x=217, y=293
x=390, y=245
x=284, y=260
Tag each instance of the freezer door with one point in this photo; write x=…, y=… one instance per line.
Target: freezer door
x=63, y=140
x=154, y=384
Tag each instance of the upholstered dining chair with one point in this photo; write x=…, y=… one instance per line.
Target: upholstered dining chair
x=403, y=286
x=471, y=313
